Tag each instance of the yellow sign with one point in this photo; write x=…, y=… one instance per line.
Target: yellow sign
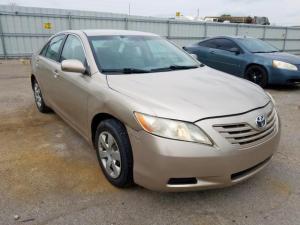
x=47, y=26
x=178, y=14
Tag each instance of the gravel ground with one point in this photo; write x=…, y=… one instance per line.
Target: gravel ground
x=50, y=175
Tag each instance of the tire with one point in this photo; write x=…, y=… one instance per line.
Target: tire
x=116, y=160
x=38, y=97
x=258, y=75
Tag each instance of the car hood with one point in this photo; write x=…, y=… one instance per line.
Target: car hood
x=282, y=56
x=189, y=95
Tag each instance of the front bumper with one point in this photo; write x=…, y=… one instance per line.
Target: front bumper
x=165, y=165
x=279, y=76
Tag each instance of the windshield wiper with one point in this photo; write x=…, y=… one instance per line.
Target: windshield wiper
x=126, y=70
x=178, y=67
x=174, y=67
x=265, y=52
x=136, y=70
x=259, y=52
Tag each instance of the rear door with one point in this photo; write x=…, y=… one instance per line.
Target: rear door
x=47, y=67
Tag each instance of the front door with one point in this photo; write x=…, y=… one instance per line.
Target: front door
x=226, y=56
x=72, y=88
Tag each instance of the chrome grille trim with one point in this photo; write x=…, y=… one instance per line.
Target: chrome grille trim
x=243, y=134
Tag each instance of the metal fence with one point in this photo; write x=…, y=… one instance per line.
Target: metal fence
x=23, y=30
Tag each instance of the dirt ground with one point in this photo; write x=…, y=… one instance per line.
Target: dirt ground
x=50, y=175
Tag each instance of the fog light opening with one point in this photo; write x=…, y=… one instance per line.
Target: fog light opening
x=182, y=181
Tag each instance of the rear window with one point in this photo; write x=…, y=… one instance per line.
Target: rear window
x=208, y=43
x=43, y=51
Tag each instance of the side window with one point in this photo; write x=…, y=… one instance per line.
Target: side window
x=225, y=44
x=209, y=43
x=43, y=51
x=73, y=50
x=54, y=47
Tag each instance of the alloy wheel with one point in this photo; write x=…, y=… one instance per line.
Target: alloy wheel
x=257, y=75
x=109, y=154
x=37, y=95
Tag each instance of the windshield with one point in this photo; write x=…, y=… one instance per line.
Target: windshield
x=138, y=54
x=257, y=46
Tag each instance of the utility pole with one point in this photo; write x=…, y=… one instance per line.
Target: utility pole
x=198, y=13
x=129, y=8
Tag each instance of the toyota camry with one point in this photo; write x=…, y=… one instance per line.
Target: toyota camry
x=155, y=116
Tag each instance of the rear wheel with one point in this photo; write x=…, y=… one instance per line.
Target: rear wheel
x=114, y=152
x=38, y=97
x=257, y=75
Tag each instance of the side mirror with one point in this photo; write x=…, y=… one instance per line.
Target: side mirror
x=73, y=65
x=235, y=50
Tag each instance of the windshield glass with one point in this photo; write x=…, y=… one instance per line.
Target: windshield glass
x=257, y=46
x=138, y=54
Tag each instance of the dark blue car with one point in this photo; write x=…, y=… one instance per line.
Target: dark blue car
x=250, y=58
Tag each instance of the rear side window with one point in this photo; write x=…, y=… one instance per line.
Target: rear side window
x=43, y=52
x=208, y=44
x=54, y=47
x=73, y=49
x=225, y=44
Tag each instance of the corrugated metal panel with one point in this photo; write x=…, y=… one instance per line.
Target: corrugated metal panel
x=97, y=24
x=293, y=34
x=23, y=45
x=275, y=33
x=187, y=30
x=292, y=45
x=160, y=28
x=276, y=43
x=24, y=31
x=257, y=32
x=184, y=42
x=220, y=29
x=32, y=25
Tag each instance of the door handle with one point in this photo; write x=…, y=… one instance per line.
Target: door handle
x=37, y=62
x=56, y=74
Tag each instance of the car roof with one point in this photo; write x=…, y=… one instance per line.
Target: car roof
x=230, y=37
x=105, y=32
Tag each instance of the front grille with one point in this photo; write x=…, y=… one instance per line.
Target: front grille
x=243, y=134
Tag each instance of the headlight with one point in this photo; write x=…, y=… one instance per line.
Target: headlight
x=172, y=129
x=284, y=65
x=271, y=97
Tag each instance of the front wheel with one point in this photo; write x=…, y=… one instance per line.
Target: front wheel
x=114, y=152
x=257, y=75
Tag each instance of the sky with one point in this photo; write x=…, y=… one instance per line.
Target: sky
x=280, y=12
